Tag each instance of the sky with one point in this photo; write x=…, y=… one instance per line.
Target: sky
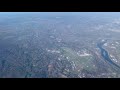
x=60, y=13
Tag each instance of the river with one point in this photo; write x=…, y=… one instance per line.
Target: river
x=105, y=54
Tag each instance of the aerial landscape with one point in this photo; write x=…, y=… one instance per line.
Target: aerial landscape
x=59, y=44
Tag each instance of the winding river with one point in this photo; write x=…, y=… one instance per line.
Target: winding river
x=105, y=54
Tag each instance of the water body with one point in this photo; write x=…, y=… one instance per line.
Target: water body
x=105, y=54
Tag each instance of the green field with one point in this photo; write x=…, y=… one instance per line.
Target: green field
x=80, y=62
